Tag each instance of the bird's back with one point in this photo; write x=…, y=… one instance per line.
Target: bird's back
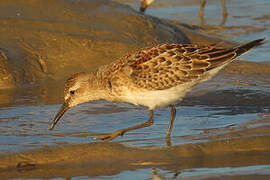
x=168, y=65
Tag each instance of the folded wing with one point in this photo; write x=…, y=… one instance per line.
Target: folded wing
x=168, y=65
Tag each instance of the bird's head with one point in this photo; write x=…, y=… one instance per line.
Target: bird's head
x=79, y=88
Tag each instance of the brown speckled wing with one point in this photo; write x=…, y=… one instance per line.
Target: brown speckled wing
x=166, y=66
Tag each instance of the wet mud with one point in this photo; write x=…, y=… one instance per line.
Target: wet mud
x=222, y=128
x=105, y=159
x=40, y=42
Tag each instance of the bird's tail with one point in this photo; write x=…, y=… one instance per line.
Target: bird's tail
x=227, y=55
x=246, y=47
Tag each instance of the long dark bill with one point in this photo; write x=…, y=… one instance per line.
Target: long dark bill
x=60, y=113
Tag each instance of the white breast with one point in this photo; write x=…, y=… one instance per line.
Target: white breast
x=157, y=98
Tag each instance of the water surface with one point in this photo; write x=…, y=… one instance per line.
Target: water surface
x=231, y=108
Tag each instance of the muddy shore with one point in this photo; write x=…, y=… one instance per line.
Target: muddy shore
x=97, y=159
x=49, y=43
x=220, y=124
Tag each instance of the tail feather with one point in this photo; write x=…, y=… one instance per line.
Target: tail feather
x=246, y=47
x=220, y=57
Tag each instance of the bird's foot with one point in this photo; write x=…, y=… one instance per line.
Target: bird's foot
x=111, y=136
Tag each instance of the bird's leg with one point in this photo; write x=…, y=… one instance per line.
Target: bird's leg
x=121, y=132
x=173, y=113
x=203, y=2
x=224, y=13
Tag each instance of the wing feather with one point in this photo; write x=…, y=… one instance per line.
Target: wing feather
x=168, y=65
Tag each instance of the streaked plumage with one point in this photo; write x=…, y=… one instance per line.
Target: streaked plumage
x=153, y=77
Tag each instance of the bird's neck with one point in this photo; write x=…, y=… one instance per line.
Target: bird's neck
x=100, y=86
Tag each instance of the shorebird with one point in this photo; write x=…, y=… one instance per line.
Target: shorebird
x=146, y=3
x=152, y=77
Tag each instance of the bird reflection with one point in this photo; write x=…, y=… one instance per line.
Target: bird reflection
x=157, y=176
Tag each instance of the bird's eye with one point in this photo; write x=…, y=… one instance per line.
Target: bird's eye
x=72, y=92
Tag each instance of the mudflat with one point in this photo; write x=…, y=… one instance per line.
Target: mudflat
x=221, y=128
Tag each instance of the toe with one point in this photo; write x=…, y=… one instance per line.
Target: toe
x=110, y=136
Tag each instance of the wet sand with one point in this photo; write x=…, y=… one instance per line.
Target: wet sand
x=234, y=149
x=222, y=126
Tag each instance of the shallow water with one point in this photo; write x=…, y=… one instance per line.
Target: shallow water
x=231, y=106
x=247, y=20
x=196, y=173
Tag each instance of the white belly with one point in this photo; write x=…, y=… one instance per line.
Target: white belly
x=157, y=98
